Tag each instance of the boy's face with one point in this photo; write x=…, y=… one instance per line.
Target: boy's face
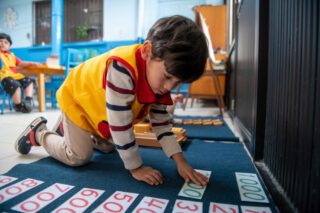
x=4, y=44
x=158, y=78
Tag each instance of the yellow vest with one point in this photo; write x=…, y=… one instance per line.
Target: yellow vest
x=82, y=96
x=8, y=62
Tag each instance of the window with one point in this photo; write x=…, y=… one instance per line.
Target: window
x=43, y=22
x=83, y=21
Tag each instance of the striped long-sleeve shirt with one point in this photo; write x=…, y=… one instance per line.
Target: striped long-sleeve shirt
x=119, y=95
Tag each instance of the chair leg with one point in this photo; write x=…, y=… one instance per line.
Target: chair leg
x=10, y=103
x=192, y=100
x=2, y=105
x=187, y=96
x=53, y=99
x=178, y=89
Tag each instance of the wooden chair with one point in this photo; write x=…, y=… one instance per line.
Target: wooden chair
x=216, y=37
x=74, y=58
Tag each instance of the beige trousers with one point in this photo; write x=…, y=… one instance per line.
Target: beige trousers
x=75, y=148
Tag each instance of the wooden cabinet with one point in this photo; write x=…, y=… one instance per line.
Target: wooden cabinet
x=213, y=20
x=216, y=18
x=205, y=88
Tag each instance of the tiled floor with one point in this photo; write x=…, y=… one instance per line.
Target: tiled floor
x=12, y=124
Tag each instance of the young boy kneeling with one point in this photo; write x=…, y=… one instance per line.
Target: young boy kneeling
x=102, y=98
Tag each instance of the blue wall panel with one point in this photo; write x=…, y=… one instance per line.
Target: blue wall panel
x=41, y=53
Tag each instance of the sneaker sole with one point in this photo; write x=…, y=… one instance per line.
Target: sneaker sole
x=34, y=124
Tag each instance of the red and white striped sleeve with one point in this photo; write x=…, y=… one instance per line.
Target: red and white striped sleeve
x=159, y=118
x=119, y=96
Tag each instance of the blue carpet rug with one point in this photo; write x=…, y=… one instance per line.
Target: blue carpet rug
x=203, y=132
x=106, y=172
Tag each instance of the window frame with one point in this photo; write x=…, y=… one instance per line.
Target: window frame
x=94, y=23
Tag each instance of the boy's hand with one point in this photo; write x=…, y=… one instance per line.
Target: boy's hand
x=187, y=172
x=148, y=175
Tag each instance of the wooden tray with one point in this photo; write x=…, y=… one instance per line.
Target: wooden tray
x=149, y=139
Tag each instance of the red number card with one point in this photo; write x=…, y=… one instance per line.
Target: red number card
x=223, y=207
x=17, y=189
x=80, y=201
x=43, y=198
x=4, y=180
x=187, y=206
x=151, y=204
x=117, y=202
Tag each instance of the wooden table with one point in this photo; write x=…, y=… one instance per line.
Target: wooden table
x=40, y=71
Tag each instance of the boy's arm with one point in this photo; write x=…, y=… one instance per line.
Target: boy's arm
x=119, y=96
x=160, y=121
x=187, y=172
x=159, y=118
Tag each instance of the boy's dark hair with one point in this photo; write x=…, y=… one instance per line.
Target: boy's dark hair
x=181, y=44
x=6, y=36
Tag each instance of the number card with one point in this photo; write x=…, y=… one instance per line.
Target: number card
x=187, y=206
x=4, y=180
x=255, y=209
x=17, y=189
x=117, y=202
x=250, y=188
x=152, y=204
x=192, y=190
x=223, y=207
x=43, y=198
x=80, y=201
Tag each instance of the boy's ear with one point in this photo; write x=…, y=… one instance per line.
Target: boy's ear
x=146, y=50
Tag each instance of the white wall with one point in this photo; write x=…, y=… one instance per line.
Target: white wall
x=155, y=9
x=121, y=17
x=150, y=15
x=120, y=20
x=21, y=28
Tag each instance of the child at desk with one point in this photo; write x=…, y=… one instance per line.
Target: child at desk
x=102, y=98
x=12, y=81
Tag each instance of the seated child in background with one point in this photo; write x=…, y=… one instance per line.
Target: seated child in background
x=102, y=98
x=11, y=80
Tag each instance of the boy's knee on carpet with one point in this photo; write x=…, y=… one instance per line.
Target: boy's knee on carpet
x=75, y=160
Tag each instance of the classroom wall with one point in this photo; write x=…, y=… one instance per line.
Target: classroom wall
x=125, y=22
x=120, y=20
x=20, y=26
x=41, y=53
